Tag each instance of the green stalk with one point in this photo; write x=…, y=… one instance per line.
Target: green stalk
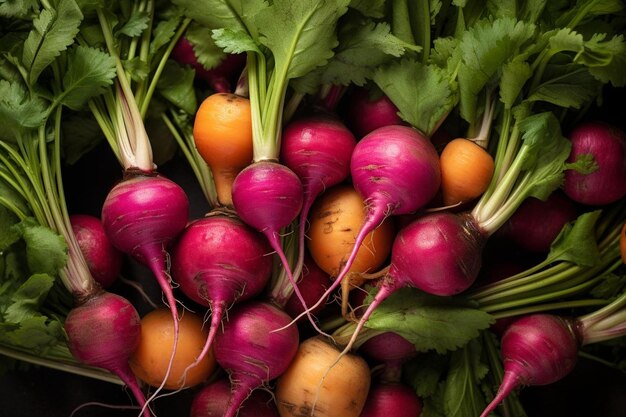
x=400, y=21
x=145, y=102
x=254, y=90
x=550, y=307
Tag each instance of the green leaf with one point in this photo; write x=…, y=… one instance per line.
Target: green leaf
x=424, y=372
x=52, y=33
x=28, y=298
x=135, y=25
x=429, y=322
x=46, y=251
x=485, y=48
x=514, y=75
x=543, y=154
x=300, y=34
x=568, y=86
x=89, y=73
x=34, y=333
x=606, y=60
x=164, y=32
x=231, y=14
x=7, y=219
x=208, y=54
x=588, y=9
x=138, y=68
x=363, y=47
x=17, y=8
x=576, y=242
x=611, y=286
x=531, y=10
x=176, y=85
x=463, y=396
x=369, y=8
x=563, y=40
x=234, y=41
x=18, y=111
x=424, y=94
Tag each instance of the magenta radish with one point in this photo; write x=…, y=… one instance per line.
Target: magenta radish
x=396, y=171
x=104, y=260
x=220, y=78
x=103, y=330
x=540, y=349
x=317, y=149
x=391, y=399
x=367, y=111
x=252, y=350
x=536, y=223
x=607, y=145
x=218, y=261
x=212, y=401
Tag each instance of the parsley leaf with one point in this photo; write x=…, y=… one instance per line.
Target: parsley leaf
x=53, y=31
x=463, y=396
x=18, y=111
x=89, y=73
x=46, y=251
x=576, y=242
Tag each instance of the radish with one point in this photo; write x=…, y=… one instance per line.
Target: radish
x=312, y=285
x=318, y=149
x=387, y=166
x=104, y=260
x=103, y=330
x=220, y=78
x=536, y=223
x=393, y=399
x=212, y=401
x=607, y=145
x=540, y=349
x=251, y=350
x=368, y=110
x=218, y=261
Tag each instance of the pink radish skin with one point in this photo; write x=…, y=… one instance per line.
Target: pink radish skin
x=103, y=260
x=607, y=145
x=141, y=215
x=391, y=350
x=212, y=401
x=217, y=261
x=103, y=331
x=391, y=399
x=439, y=253
x=251, y=350
x=220, y=78
x=269, y=196
x=318, y=150
x=396, y=171
x=535, y=224
x=366, y=113
x=539, y=349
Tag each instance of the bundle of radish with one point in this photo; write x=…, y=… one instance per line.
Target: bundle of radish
x=102, y=328
x=541, y=349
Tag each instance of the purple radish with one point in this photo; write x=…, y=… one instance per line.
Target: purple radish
x=104, y=260
x=391, y=399
x=218, y=261
x=269, y=196
x=220, y=78
x=538, y=349
x=318, y=149
x=212, y=401
x=251, y=350
x=367, y=112
x=396, y=171
x=607, y=145
x=391, y=350
x=103, y=330
x=535, y=224
x=141, y=215
x=312, y=285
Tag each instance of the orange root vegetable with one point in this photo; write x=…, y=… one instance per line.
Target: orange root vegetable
x=223, y=136
x=151, y=359
x=335, y=220
x=310, y=387
x=466, y=171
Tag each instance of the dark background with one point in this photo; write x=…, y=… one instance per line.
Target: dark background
x=592, y=390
